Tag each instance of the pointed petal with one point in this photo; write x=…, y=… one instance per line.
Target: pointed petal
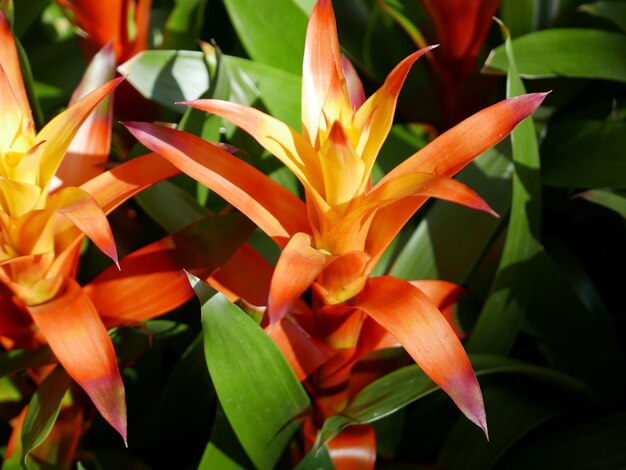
x=451, y=151
x=12, y=119
x=9, y=61
x=275, y=136
x=375, y=117
x=59, y=132
x=409, y=315
x=323, y=84
x=354, y=448
x=269, y=205
x=91, y=145
x=303, y=352
x=354, y=84
x=444, y=295
x=112, y=188
x=82, y=210
x=82, y=345
x=298, y=266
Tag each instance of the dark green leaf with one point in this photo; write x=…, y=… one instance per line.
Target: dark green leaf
x=184, y=25
x=519, y=16
x=580, y=53
x=585, y=154
x=259, y=392
x=316, y=459
x=609, y=10
x=22, y=359
x=43, y=410
x=271, y=31
x=501, y=317
x=606, y=198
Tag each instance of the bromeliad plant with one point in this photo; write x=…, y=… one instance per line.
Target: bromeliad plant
x=332, y=241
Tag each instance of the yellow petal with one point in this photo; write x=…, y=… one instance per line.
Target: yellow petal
x=18, y=198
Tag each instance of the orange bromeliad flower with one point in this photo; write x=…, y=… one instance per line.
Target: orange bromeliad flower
x=332, y=242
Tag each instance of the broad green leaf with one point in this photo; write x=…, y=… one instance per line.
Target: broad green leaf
x=579, y=53
x=43, y=410
x=606, y=198
x=501, y=317
x=403, y=386
x=184, y=25
x=271, y=31
x=168, y=76
x=450, y=240
x=519, y=16
x=316, y=459
x=223, y=450
x=598, y=445
x=512, y=414
x=585, y=154
x=22, y=359
x=614, y=11
x=259, y=392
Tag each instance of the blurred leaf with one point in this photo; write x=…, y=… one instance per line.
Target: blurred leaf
x=316, y=459
x=25, y=14
x=22, y=359
x=519, y=16
x=168, y=76
x=403, y=386
x=585, y=154
x=184, y=25
x=259, y=392
x=502, y=315
x=606, y=198
x=598, y=445
x=395, y=10
x=43, y=410
x=224, y=451
x=271, y=31
x=579, y=53
x=512, y=414
x=450, y=240
x=613, y=11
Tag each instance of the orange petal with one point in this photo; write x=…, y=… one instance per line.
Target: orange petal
x=91, y=146
x=375, y=117
x=303, y=352
x=444, y=295
x=269, y=205
x=9, y=61
x=354, y=84
x=82, y=210
x=82, y=345
x=112, y=188
x=354, y=448
x=59, y=132
x=277, y=137
x=409, y=315
x=324, y=88
x=298, y=266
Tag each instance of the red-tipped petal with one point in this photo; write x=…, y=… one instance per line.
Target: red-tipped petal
x=354, y=84
x=59, y=132
x=298, y=266
x=91, y=146
x=322, y=71
x=303, y=352
x=121, y=183
x=354, y=448
x=444, y=295
x=80, y=208
x=77, y=337
x=409, y=315
x=269, y=205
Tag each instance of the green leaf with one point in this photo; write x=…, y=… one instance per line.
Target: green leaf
x=512, y=415
x=316, y=459
x=609, y=10
x=259, y=392
x=519, y=16
x=184, y=25
x=43, y=410
x=585, y=154
x=579, y=53
x=450, y=240
x=271, y=31
x=403, y=386
x=22, y=359
x=606, y=198
x=501, y=317
x=598, y=445
x=168, y=76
